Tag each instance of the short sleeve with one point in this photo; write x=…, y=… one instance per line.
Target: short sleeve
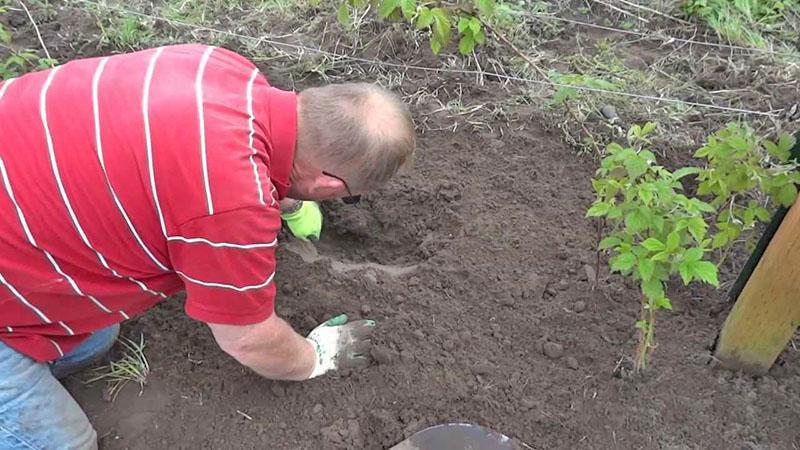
x=227, y=263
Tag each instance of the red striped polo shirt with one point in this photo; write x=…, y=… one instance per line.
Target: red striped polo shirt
x=128, y=178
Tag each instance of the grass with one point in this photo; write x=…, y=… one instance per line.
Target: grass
x=131, y=367
x=748, y=22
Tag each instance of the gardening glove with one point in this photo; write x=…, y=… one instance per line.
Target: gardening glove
x=341, y=345
x=305, y=222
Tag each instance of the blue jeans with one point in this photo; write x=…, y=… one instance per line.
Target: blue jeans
x=36, y=412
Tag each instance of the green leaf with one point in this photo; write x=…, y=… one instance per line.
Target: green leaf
x=686, y=272
x=635, y=166
x=436, y=44
x=441, y=25
x=661, y=256
x=705, y=271
x=653, y=244
x=563, y=94
x=697, y=226
x=785, y=143
x=463, y=24
x=598, y=210
x=762, y=214
x=636, y=221
x=475, y=25
x=684, y=171
x=611, y=241
x=623, y=262
x=387, y=7
x=653, y=288
x=663, y=303
x=425, y=18
x=466, y=45
x=409, y=8
x=787, y=194
x=642, y=325
x=343, y=14
x=646, y=268
x=648, y=128
x=486, y=7
x=5, y=36
x=480, y=38
x=673, y=241
x=693, y=254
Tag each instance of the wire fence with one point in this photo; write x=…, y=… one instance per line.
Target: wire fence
x=302, y=49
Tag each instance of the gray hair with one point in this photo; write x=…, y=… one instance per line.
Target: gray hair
x=358, y=129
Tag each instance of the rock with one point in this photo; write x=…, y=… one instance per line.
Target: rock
x=609, y=112
x=591, y=274
x=528, y=403
x=278, y=390
x=282, y=425
x=553, y=350
x=406, y=356
x=317, y=410
x=371, y=276
x=418, y=334
x=384, y=355
x=539, y=346
x=366, y=309
x=572, y=362
x=579, y=306
x=506, y=301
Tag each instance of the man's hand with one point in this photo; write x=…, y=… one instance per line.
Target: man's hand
x=303, y=218
x=341, y=345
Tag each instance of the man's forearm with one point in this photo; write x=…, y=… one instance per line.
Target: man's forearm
x=272, y=349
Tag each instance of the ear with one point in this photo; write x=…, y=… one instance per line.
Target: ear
x=325, y=188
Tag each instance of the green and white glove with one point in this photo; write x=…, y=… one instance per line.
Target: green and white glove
x=341, y=345
x=304, y=221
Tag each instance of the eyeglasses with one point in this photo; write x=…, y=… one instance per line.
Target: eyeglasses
x=350, y=199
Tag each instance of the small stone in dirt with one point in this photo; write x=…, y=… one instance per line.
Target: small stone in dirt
x=579, y=306
x=384, y=355
x=317, y=409
x=572, y=362
x=282, y=425
x=609, y=112
x=418, y=334
x=406, y=356
x=553, y=350
x=449, y=192
x=278, y=390
x=366, y=309
x=591, y=274
x=465, y=336
x=371, y=276
x=528, y=403
x=506, y=301
x=449, y=345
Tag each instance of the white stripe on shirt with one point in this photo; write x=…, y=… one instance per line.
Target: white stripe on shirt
x=99, y=143
x=198, y=87
x=57, y=175
x=222, y=244
x=67, y=328
x=24, y=301
x=32, y=240
x=148, y=78
x=251, y=125
x=6, y=84
x=58, y=347
x=228, y=286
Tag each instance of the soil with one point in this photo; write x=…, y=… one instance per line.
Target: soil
x=477, y=266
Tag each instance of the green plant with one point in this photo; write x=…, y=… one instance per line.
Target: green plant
x=133, y=366
x=20, y=62
x=658, y=231
x=125, y=33
x=566, y=93
x=440, y=19
x=743, y=21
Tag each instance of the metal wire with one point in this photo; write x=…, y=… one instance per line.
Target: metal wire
x=302, y=48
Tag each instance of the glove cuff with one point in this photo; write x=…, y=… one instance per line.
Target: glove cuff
x=294, y=212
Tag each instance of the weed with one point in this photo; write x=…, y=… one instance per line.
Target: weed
x=744, y=22
x=133, y=366
x=125, y=33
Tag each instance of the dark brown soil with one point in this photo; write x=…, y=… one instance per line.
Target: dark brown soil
x=498, y=324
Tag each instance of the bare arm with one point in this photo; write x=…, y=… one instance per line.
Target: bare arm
x=270, y=348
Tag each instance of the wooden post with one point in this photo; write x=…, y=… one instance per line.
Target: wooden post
x=767, y=312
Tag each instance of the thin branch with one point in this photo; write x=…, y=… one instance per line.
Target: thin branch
x=621, y=11
x=36, y=28
x=656, y=12
x=519, y=52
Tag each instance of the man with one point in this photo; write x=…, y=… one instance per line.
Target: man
x=128, y=178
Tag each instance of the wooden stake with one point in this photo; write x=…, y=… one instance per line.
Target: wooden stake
x=767, y=312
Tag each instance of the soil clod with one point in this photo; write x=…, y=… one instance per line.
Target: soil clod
x=553, y=350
